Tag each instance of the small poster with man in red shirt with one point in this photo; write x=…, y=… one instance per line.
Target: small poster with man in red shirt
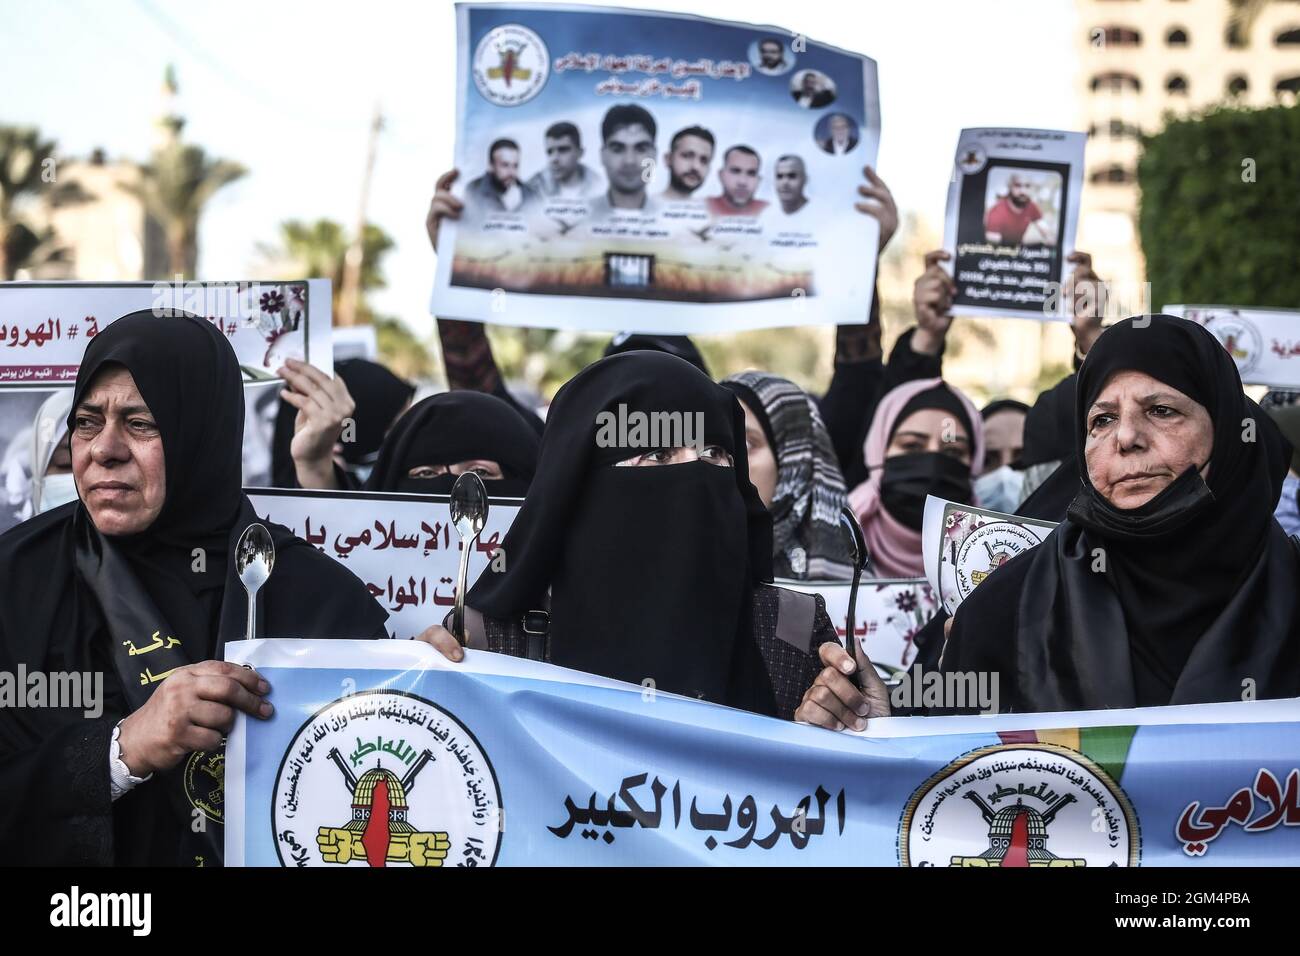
x=1013, y=208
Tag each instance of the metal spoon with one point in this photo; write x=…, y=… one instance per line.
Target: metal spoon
x=858, y=555
x=254, y=559
x=469, y=511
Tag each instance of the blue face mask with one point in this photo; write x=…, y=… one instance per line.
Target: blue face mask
x=57, y=490
x=1287, y=511
x=999, y=489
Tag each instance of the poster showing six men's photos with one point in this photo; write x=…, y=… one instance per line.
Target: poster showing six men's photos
x=1013, y=209
x=612, y=161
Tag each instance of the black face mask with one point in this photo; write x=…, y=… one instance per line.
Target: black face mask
x=907, y=479
x=1174, y=508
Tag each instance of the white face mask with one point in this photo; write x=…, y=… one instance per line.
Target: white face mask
x=999, y=490
x=57, y=490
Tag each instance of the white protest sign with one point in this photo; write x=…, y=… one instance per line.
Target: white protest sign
x=635, y=169
x=404, y=547
x=1013, y=210
x=962, y=545
x=1265, y=343
x=44, y=326
x=887, y=615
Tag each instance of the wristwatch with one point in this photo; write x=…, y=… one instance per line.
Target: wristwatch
x=120, y=778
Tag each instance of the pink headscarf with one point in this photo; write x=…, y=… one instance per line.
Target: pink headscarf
x=895, y=549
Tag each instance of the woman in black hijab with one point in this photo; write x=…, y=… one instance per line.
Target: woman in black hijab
x=446, y=435
x=1169, y=582
x=378, y=398
x=135, y=582
x=651, y=575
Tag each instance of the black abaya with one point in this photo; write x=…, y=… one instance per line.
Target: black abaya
x=74, y=598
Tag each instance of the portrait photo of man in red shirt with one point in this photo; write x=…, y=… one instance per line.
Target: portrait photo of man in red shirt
x=1014, y=218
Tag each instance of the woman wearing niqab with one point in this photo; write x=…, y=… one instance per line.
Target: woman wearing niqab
x=424, y=450
x=140, y=607
x=656, y=576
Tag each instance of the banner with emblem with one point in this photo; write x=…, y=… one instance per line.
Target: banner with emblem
x=382, y=753
x=962, y=545
x=1265, y=343
x=403, y=547
x=647, y=157
x=44, y=326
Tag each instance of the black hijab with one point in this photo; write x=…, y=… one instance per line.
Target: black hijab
x=1196, y=590
x=182, y=369
x=452, y=427
x=379, y=396
x=651, y=570
x=78, y=600
x=941, y=397
x=679, y=345
x=1048, y=424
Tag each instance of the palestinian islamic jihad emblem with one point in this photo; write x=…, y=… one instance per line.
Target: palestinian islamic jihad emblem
x=1239, y=336
x=1019, y=805
x=205, y=776
x=971, y=158
x=986, y=549
x=386, y=778
x=511, y=64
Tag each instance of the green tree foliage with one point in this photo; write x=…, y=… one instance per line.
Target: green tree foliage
x=317, y=250
x=28, y=173
x=1217, y=216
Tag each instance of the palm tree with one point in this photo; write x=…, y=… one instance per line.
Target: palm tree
x=174, y=187
x=319, y=250
x=28, y=172
x=177, y=183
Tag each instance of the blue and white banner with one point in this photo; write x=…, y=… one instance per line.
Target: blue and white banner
x=385, y=754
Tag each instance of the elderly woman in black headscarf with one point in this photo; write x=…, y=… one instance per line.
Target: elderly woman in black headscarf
x=135, y=582
x=652, y=575
x=1169, y=582
x=793, y=467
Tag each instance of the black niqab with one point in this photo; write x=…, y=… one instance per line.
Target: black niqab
x=679, y=345
x=650, y=570
x=452, y=427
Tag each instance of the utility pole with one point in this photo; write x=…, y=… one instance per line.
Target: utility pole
x=351, y=292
